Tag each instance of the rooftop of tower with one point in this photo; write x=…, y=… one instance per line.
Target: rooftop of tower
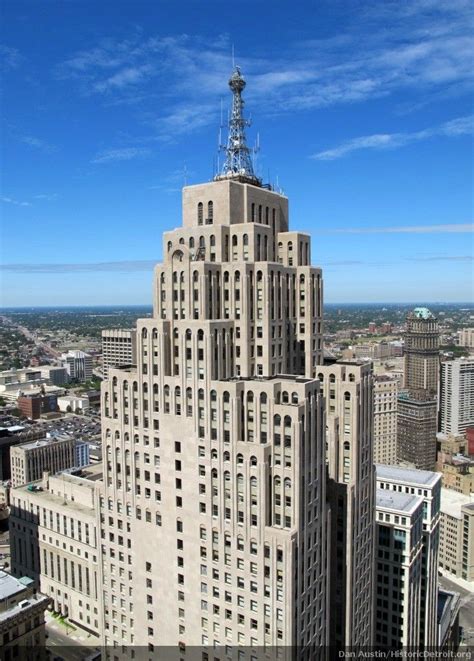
x=422, y=313
x=238, y=164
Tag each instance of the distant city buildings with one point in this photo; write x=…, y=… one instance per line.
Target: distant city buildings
x=78, y=365
x=466, y=338
x=457, y=395
x=427, y=485
x=30, y=460
x=56, y=375
x=118, y=348
x=456, y=550
x=34, y=406
x=385, y=419
x=73, y=403
x=455, y=463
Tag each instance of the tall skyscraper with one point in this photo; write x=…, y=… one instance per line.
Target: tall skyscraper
x=457, y=395
x=214, y=442
x=417, y=422
x=237, y=504
x=422, y=351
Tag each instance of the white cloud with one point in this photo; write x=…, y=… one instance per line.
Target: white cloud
x=455, y=127
x=427, y=49
x=37, y=143
x=125, y=154
x=18, y=203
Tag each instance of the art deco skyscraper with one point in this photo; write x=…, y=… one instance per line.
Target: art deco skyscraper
x=417, y=403
x=421, y=351
x=214, y=474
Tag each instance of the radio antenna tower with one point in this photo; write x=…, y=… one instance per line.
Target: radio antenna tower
x=238, y=156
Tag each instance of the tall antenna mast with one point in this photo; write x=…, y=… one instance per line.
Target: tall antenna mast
x=238, y=156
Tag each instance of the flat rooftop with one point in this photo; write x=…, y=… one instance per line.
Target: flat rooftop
x=43, y=442
x=405, y=503
x=410, y=476
x=452, y=501
x=9, y=585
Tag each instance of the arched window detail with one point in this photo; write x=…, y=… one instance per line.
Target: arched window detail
x=210, y=213
x=200, y=214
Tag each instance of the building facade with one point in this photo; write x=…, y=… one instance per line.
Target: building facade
x=457, y=395
x=417, y=420
x=118, y=348
x=399, y=546
x=22, y=631
x=421, y=351
x=385, y=419
x=61, y=514
x=456, y=548
x=427, y=485
x=348, y=395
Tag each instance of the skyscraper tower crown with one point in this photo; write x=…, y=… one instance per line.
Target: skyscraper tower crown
x=238, y=162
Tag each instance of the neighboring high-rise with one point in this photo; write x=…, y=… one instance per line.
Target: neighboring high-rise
x=457, y=395
x=118, y=348
x=61, y=514
x=348, y=394
x=399, y=545
x=214, y=441
x=28, y=461
x=385, y=418
x=417, y=404
x=427, y=485
x=421, y=351
x=78, y=365
x=456, y=548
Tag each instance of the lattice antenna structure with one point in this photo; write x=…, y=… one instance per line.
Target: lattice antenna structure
x=238, y=156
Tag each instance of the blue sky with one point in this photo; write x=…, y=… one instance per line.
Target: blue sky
x=364, y=112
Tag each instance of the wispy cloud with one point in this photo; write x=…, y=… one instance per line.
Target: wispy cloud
x=10, y=57
x=173, y=182
x=37, y=143
x=453, y=128
x=404, y=229
x=17, y=203
x=46, y=196
x=124, y=154
x=441, y=258
x=382, y=51
x=122, y=267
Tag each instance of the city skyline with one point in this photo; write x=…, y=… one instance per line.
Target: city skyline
x=104, y=122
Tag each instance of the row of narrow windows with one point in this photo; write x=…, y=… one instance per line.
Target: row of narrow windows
x=257, y=214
